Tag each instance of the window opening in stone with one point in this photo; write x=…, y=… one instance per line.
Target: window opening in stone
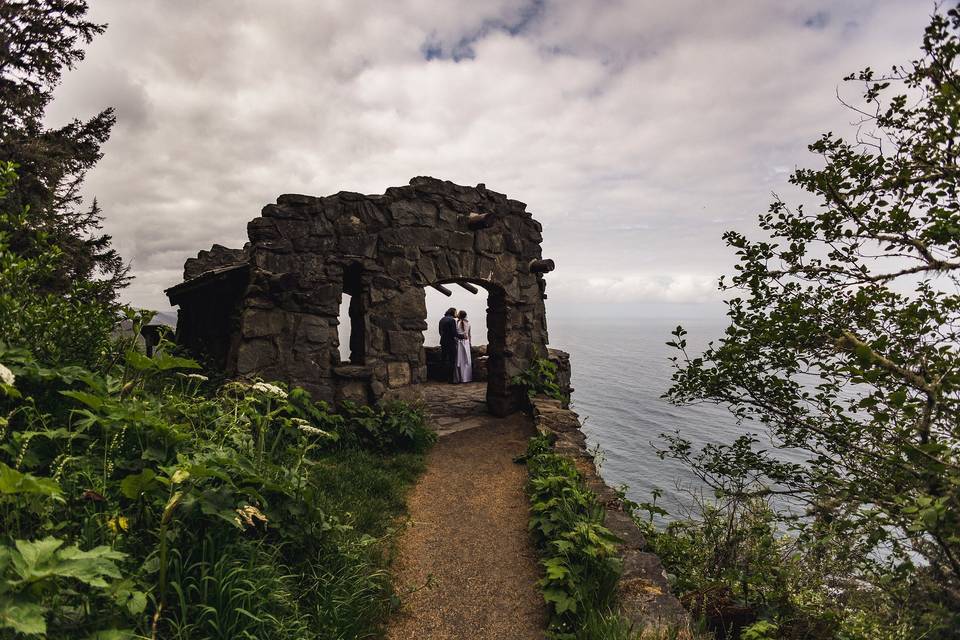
x=352, y=329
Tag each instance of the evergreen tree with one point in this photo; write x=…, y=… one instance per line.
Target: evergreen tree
x=39, y=39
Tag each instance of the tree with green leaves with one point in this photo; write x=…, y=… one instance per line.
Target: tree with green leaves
x=39, y=39
x=843, y=340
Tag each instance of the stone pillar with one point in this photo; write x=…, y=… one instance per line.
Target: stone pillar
x=395, y=350
x=499, y=396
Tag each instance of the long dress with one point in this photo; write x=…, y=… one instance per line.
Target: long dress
x=464, y=370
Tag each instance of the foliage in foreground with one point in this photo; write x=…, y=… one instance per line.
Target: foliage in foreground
x=742, y=576
x=578, y=554
x=843, y=343
x=134, y=502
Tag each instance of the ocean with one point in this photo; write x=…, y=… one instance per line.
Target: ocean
x=620, y=370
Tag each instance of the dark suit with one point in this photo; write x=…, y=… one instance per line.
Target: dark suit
x=448, y=345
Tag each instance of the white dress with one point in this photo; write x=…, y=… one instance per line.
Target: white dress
x=464, y=370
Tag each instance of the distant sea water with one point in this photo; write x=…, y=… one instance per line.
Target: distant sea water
x=620, y=369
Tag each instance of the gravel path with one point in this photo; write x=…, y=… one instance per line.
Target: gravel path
x=467, y=550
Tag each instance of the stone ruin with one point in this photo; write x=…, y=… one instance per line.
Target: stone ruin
x=271, y=310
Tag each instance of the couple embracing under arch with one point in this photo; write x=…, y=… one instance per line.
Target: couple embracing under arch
x=455, y=346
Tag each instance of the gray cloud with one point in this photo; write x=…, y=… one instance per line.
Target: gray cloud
x=636, y=131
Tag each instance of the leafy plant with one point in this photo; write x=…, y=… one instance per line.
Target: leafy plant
x=64, y=327
x=540, y=379
x=578, y=554
x=29, y=570
x=396, y=426
x=137, y=460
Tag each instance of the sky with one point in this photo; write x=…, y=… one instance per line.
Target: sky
x=636, y=131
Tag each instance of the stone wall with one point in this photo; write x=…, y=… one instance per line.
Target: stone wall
x=305, y=252
x=217, y=257
x=644, y=594
x=438, y=373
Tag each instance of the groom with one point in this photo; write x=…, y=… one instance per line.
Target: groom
x=448, y=343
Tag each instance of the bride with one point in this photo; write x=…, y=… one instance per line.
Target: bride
x=464, y=370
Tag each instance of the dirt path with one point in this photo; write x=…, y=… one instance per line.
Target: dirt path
x=468, y=539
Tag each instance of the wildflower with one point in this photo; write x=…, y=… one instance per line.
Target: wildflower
x=118, y=524
x=269, y=389
x=193, y=376
x=249, y=514
x=309, y=429
x=6, y=376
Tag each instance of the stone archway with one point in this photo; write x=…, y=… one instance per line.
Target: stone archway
x=495, y=374
x=305, y=252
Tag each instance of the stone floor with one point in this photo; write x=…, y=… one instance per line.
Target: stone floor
x=456, y=407
x=466, y=567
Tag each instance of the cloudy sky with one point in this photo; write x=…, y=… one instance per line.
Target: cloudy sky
x=636, y=130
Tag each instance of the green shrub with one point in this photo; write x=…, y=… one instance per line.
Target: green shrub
x=65, y=327
x=540, y=379
x=223, y=513
x=578, y=554
x=395, y=426
x=737, y=567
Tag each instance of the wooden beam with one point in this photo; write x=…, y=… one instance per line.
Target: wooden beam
x=442, y=289
x=469, y=287
x=542, y=266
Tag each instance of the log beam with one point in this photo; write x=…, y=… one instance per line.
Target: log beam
x=469, y=287
x=542, y=266
x=442, y=289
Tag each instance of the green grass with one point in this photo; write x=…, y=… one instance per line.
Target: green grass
x=368, y=487
x=352, y=594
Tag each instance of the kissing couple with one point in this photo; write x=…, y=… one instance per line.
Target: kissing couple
x=455, y=346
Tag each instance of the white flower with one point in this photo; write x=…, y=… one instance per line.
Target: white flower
x=309, y=429
x=193, y=376
x=6, y=376
x=269, y=389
